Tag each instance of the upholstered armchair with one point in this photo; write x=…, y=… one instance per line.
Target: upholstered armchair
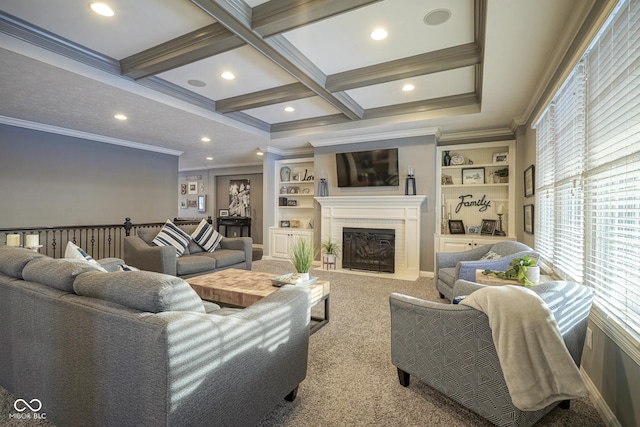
x=451, y=266
x=450, y=347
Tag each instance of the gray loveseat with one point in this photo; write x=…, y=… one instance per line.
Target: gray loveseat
x=138, y=349
x=139, y=252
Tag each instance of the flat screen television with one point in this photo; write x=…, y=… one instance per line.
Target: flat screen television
x=373, y=168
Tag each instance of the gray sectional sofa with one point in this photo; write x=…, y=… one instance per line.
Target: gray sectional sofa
x=139, y=252
x=138, y=348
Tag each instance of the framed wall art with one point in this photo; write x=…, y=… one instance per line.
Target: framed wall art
x=529, y=181
x=456, y=226
x=488, y=227
x=223, y=212
x=528, y=219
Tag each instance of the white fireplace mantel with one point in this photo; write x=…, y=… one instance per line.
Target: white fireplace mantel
x=401, y=213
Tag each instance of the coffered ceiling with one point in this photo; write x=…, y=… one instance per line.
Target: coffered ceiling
x=474, y=66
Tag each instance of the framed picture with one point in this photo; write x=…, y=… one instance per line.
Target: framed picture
x=192, y=203
x=193, y=187
x=456, y=226
x=183, y=203
x=473, y=229
x=488, y=227
x=528, y=219
x=295, y=176
x=223, y=212
x=202, y=203
x=292, y=203
x=294, y=223
x=501, y=157
x=447, y=180
x=529, y=181
x=285, y=224
x=473, y=176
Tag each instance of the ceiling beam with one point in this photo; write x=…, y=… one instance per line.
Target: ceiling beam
x=236, y=16
x=427, y=63
x=278, y=16
x=265, y=97
x=191, y=47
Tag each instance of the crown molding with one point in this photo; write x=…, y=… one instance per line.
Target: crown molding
x=288, y=152
x=85, y=135
x=477, y=134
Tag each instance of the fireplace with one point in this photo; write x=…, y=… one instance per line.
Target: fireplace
x=371, y=249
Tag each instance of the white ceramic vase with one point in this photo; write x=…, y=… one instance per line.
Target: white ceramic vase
x=304, y=276
x=533, y=274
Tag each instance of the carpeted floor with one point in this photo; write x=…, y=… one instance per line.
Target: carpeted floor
x=350, y=379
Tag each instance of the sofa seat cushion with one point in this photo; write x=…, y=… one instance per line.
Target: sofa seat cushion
x=447, y=275
x=57, y=273
x=225, y=257
x=141, y=290
x=193, y=264
x=13, y=260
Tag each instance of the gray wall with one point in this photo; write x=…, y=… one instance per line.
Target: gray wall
x=419, y=152
x=54, y=180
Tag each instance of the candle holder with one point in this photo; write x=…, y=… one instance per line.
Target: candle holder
x=410, y=183
x=499, y=231
x=323, y=188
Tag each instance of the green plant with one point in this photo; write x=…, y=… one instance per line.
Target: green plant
x=331, y=248
x=301, y=254
x=502, y=172
x=518, y=270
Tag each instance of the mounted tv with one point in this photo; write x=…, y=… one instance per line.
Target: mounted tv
x=376, y=168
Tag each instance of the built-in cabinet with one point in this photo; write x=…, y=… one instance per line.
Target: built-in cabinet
x=472, y=188
x=294, y=204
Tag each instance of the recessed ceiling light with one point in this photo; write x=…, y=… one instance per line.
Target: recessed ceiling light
x=378, y=34
x=260, y=153
x=289, y=109
x=437, y=17
x=209, y=158
x=228, y=75
x=101, y=9
x=197, y=83
x=120, y=117
x=408, y=87
x=205, y=139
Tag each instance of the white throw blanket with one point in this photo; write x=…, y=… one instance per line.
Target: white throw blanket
x=537, y=366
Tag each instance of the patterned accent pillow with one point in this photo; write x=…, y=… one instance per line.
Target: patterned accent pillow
x=459, y=298
x=206, y=236
x=75, y=252
x=171, y=235
x=125, y=267
x=491, y=255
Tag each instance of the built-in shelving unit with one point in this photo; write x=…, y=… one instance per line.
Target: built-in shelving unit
x=471, y=191
x=295, y=191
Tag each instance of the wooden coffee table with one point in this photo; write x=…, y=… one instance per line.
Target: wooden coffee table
x=241, y=288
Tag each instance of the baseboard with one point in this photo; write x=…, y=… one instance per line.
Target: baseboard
x=601, y=406
x=427, y=274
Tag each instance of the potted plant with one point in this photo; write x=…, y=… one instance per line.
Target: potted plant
x=524, y=270
x=501, y=175
x=331, y=249
x=301, y=255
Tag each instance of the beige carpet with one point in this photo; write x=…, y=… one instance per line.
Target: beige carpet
x=351, y=381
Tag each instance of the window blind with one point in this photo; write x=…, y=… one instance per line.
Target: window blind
x=612, y=163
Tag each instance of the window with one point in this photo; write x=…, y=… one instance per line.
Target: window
x=588, y=174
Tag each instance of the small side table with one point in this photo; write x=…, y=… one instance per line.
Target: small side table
x=325, y=262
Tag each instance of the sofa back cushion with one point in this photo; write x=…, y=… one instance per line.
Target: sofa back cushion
x=57, y=273
x=509, y=247
x=141, y=290
x=13, y=260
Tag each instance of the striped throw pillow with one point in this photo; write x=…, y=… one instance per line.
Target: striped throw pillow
x=171, y=235
x=73, y=251
x=206, y=236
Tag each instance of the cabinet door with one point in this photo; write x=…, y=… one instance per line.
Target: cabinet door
x=457, y=245
x=280, y=245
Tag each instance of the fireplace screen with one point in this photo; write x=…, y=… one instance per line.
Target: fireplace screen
x=369, y=249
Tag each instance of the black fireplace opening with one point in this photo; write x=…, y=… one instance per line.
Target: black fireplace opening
x=371, y=249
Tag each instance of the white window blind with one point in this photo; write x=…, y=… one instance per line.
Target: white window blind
x=613, y=168
x=588, y=174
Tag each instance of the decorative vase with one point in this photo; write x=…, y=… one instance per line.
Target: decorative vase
x=331, y=258
x=447, y=159
x=304, y=276
x=533, y=274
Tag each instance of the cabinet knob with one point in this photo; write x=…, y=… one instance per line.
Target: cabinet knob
x=469, y=243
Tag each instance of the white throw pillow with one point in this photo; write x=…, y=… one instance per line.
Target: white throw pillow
x=171, y=235
x=73, y=251
x=491, y=255
x=206, y=236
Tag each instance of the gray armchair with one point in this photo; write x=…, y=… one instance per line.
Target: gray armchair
x=451, y=266
x=450, y=347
